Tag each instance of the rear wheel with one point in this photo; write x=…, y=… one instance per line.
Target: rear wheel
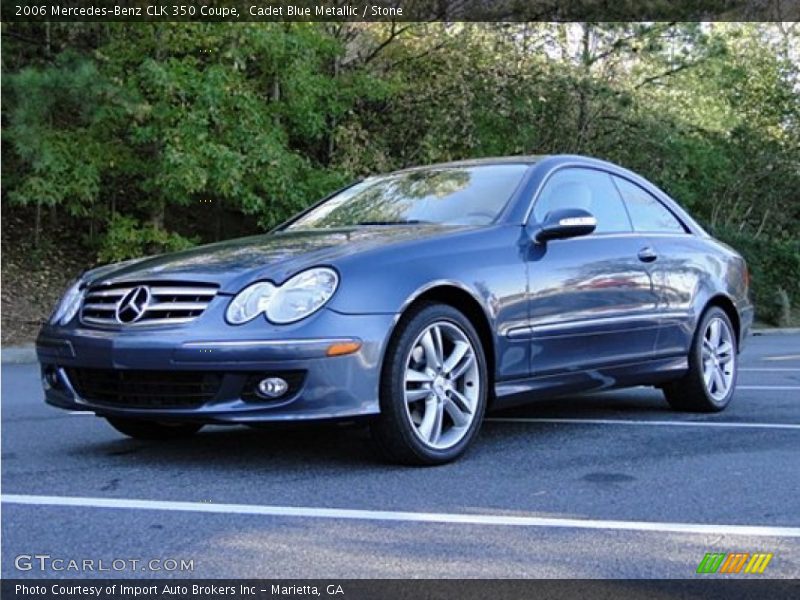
x=711, y=380
x=434, y=387
x=153, y=430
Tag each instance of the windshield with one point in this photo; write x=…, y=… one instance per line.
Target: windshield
x=447, y=195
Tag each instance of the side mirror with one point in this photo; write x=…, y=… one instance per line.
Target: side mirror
x=565, y=223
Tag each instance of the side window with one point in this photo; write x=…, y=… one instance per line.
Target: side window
x=647, y=213
x=587, y=189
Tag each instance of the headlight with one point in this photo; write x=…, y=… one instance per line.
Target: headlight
x=250, y=302
x=68, y=307
x=302, y=295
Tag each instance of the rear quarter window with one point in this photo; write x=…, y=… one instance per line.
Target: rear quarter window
x=647, y=213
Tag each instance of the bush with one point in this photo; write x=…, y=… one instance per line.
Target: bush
x=128, y=238
x=774, y=266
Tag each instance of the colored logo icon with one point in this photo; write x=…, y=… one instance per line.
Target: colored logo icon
x=734, y=562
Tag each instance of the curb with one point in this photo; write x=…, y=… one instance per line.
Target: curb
x=19, y=355
x=777, y=331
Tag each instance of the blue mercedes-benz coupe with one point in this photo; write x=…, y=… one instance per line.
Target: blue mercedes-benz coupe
x=417, y=300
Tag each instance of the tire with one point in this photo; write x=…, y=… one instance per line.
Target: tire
x=446, y=403
x=697, y=391
x=153, y=430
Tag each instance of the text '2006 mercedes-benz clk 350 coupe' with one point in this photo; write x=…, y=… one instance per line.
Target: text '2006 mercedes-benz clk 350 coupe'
x=416, y=300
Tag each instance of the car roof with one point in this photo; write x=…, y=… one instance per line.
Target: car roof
x=529, y=159
x=477, y=162
x=549, y=162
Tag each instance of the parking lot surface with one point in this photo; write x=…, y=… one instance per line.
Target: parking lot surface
x=603, y=485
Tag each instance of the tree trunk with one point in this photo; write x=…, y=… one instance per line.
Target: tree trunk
x=275, y=97
x=219, y=215
x=157, y=215
x=159, y=207
x=331, y=134
x=37, y=226
x=583, y=100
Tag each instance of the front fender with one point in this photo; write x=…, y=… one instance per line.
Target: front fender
x=486, y=264
x=489, y=269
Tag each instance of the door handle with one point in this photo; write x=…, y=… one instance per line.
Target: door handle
x=647, y=254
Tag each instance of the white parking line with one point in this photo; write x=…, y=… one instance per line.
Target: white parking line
x=390, y=515
x=764, y=388
x=784, y=357
x=646, y=422
x=771, y=369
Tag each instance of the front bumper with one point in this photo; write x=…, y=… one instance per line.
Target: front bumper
x=331, y=387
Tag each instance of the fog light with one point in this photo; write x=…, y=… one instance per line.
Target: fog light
x=272, y=387
x=50, y=378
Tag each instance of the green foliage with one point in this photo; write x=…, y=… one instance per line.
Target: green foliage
x=51, y=134
x=774, y=267
x=127, y=128
x=127, y=238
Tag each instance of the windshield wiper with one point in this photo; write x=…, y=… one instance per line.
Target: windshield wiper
x=408, y=222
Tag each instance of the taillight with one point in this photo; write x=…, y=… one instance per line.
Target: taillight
x=746, y=278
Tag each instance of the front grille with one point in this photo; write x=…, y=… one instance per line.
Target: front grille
x=145, y=389
x=168, y=303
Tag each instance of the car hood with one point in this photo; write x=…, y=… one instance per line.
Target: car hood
x=274, y=256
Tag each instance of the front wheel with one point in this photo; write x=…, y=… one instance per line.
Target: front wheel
x=709, y=384
x=434, y=386
x=153, y=430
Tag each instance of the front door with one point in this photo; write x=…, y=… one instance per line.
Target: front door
x=591, y=299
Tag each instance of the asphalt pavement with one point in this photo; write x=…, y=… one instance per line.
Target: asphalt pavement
x=603, y=485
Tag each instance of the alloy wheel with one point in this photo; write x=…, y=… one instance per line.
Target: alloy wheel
x=718, y=359
x=442, y=385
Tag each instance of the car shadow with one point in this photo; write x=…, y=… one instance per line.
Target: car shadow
x=349, y=445
x=240, y=446
x=626, y=403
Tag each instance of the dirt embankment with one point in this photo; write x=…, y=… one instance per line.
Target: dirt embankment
x=34, y=278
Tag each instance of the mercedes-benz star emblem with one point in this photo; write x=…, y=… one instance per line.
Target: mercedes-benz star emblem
x=133, y=305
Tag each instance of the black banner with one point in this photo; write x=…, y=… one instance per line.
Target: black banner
x=233, y=11
x=387, y=589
